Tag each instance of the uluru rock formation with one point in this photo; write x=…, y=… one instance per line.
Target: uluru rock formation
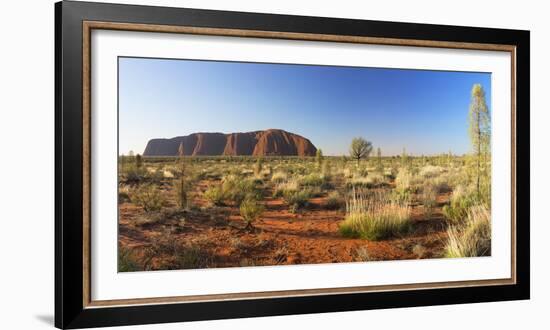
x=271, y=142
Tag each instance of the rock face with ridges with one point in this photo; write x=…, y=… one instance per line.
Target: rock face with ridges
x=271, y=142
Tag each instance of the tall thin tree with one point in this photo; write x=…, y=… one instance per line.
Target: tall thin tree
x=479, y=129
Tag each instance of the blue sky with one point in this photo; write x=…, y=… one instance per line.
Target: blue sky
x=425, y=112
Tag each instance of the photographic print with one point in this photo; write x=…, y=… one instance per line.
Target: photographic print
x=238, y=164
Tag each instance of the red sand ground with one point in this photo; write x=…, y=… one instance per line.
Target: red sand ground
x=280, y=237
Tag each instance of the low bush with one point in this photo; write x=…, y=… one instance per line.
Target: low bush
x=236, y=188
x=148, y=197
x=214, y=195
x=334, y=201
x=297, y=200
x=250, y=210
x=127, y=260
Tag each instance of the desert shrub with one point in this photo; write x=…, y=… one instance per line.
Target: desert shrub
x=123, y=194
x=462, y=199
x=190, y=257
x=428, y=198
x=289, y=186
x=148, y=197
x=214, y=195
x=315, y=180
x=131, y=174
x=374, y=216
x=279, y=177
x=334, y=201
x=250, y=210
x=441, y=183
x=127, y=260
x=430, y=171
x=180, y=255
x=471, y=238
x=297, y=200
x=237, y=188
x=376, y=179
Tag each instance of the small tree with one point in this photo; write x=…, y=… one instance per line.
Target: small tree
x=379, y=165
x=259, y=166
x=319, y=157
x=404, y=158
x=181, y=184
x=480, y=130
x=139, y=161
x=360, y=148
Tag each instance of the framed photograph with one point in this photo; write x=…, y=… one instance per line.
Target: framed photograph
x=215, y=164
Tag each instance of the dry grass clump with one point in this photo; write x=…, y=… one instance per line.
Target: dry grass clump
x=374, y=216
x=334, y=200
x=175, y=254
x=462, y=200
x=291, y=185
x=428, y=197
x=279, y=177
x=403, y=180
x=362, y=254
x=430, y=171
x=473, y=237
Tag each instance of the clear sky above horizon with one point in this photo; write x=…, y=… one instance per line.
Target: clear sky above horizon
x=425, y=112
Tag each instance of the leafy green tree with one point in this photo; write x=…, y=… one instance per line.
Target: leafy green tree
x=480, y=131
x=360, y=148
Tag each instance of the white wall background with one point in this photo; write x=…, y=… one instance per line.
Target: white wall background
x=27, y=169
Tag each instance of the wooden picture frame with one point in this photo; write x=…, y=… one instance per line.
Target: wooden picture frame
x=74, y=307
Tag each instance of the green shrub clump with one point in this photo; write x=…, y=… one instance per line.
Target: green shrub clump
x=297, y=199
x=214, y=195
x=250, y=210
x=148, y=197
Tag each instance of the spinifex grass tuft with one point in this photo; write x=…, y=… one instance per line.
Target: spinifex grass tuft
x=374, y=216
